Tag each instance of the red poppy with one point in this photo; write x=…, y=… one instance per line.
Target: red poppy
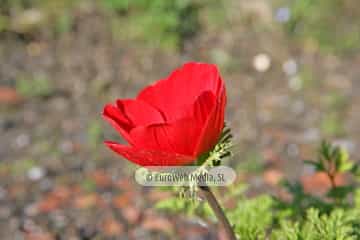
x=173, y=121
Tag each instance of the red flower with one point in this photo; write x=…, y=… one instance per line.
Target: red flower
x=173, y=121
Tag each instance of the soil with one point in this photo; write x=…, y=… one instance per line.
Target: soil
x=58, y=181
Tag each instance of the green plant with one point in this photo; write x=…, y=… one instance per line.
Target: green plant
x=64, y=22
x=117, y=5
x=34, y=87
x=20, y=168
x=333, y=216
x=332, y=160
x=88, y=185
x=252, y=162
x=332, y=125
x=252, y=218
x=53, y=15
x=7, y=5
x=184, y=205
x=94, y=133
x=338, y=225
x=332, y=122
x=4, y=23
x=158, y=22
x=330, y=24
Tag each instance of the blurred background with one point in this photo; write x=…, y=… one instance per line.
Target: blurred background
x=292, y=73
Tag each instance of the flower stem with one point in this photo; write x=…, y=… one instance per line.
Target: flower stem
x=220, y=215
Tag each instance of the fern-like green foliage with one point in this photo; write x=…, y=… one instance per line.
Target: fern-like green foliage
x=185, y=206
x=252, y=218
x=300, y=201
x=338, y=225
x=334, y=216
x=330, y=218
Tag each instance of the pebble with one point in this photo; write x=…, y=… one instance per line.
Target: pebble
x=59, y=219
x=27, y=20
x=311, y=135
x=22, y=140
x=9, y=96
x=308, y=169
x=46, y=184
x=139, y=233
x=283, y=14
x=292, y=150
x=31, y=210
x=348, y=145
x=261, y=62
x=264, y=116
x=3, y=193
x=14, y=222
x=59, y=104
x=7, y=124
x=290, y=67
x=220, y=57
x=66, y=147
x=28, y=225
x=298, y=107
x=107, y=197
x=295, y=83
x=30, y=117
x=36, y=173
x=5, y=212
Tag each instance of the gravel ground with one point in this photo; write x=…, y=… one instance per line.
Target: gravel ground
x=57, y=180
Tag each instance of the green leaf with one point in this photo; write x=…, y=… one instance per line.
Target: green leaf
x=340, y=192
x=317, y=165
x=345, y=167
x=252, y=217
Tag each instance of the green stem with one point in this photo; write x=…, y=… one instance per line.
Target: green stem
x=218, y=211
x=333, y=186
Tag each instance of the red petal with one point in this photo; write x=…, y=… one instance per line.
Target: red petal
x=139, y=112
x=129, y=114
x=149, y=157
x=203, y=106
x=213, y=127
x=180, y=136
x=118, y=120
x=182, y=88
